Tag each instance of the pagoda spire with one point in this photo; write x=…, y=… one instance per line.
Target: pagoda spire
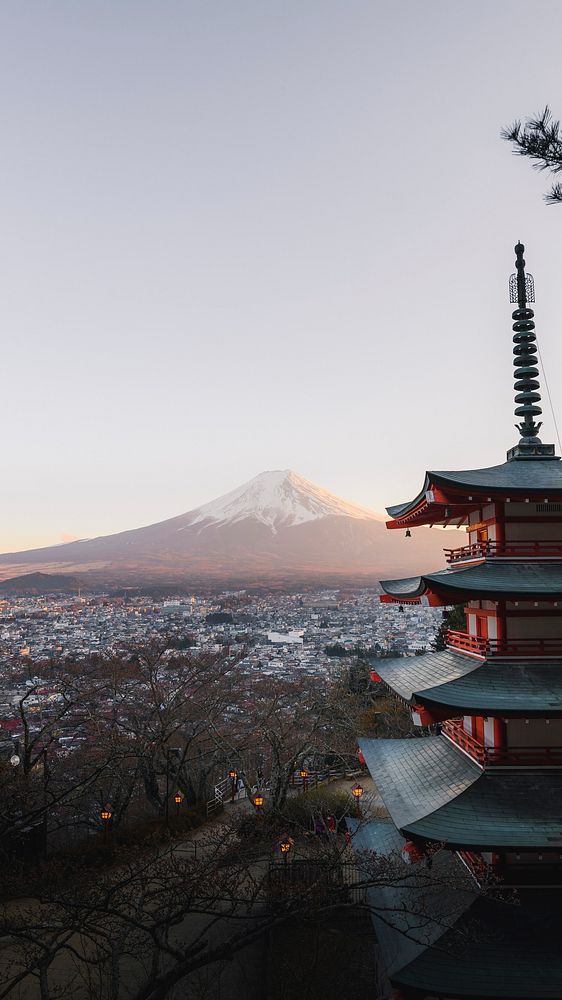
x=521, y=290
x=526, y=385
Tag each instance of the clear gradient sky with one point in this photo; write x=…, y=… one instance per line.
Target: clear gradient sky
x=240, y=235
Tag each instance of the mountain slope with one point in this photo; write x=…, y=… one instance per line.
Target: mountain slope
x=278, y=525
x=278, y=499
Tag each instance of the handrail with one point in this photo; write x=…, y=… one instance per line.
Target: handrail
x=480, y=646
x=222, y=796
x=525, y=756
x=507, y=550
x=465, y=642
x=453, y=728
x=500, y=756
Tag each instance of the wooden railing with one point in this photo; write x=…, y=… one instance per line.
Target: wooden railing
x=501, y=756
x=467, y=643
x=505, y=550
x=453, y=728
x=222, y=790
x=524, y=756
x=479, y=646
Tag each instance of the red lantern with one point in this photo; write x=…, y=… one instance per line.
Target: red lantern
x=410, y=853
x=421, y=716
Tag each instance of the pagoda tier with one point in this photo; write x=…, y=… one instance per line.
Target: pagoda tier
x=489, y=786
x=449, y=683
x=493, y=579
x=435, y=792
x=438, y=938
x=450, y=497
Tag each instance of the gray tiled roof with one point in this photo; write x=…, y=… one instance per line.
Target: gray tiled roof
x=410, y=917
x=524, y=475
x=443, y=940
x=433, y=791
x=503, y=809
x=515, y=477
x=496, y=950
x=412, y=586
x=494, y=578
x=417, y=776
x=451, y=679
x=408, y=675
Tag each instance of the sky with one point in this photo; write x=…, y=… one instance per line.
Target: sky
x=240, y=235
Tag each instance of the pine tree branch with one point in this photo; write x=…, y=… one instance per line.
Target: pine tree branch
x=540, y=139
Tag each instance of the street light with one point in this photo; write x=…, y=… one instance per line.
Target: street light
x=304, y=775
x=357, y=792
x=178, y=799
x=285, y=845
x=233, y=775
x=258, y=802
x=176, y=751
x=15, y=759
x=105, y=814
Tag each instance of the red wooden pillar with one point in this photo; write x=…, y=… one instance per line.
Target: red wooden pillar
x=478, y=728
x=500, y=621
x=500, y=523
x=499, y=733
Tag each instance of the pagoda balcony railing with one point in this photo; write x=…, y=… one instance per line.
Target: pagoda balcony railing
x=505, y=550
x=489, y=648
x=500, y=756
x=453, y=729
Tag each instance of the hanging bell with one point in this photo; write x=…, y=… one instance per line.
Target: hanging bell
x=401, y=608
x=408, y=533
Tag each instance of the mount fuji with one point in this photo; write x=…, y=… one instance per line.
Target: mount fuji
x=277, y=527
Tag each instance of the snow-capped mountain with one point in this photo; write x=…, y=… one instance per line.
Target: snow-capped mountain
x=278, y=526
x=278, y=499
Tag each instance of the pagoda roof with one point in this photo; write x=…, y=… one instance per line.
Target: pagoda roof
x=434, y=791
x=519, y=478
x=416, y=906
x=495, y=578
x=450, y=679
x=439, y=937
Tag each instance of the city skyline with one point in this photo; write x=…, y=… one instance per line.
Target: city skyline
x=239, y=239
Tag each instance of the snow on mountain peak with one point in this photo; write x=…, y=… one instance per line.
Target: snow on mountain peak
x=278, y=499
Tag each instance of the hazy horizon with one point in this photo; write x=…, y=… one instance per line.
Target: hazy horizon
x=240, y=237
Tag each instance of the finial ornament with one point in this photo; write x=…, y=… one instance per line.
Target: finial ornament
x=522, y=291
x=521, y=285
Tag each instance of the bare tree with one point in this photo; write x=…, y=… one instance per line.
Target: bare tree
x=287, y=724
x=141, y=725
x=155, y=921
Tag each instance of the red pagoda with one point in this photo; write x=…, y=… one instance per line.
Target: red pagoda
x=487, y=783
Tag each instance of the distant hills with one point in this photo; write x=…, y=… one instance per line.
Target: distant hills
x=278, y=527
x=40, y=583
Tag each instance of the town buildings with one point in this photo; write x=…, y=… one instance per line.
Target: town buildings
x=281, y=635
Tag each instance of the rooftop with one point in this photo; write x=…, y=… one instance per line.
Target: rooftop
x=457, y=681
x=487, y=580
x=437, y=936
x=435, y=792
x=521, y=478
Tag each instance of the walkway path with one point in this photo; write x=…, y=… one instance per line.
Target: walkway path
x=245, y=974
